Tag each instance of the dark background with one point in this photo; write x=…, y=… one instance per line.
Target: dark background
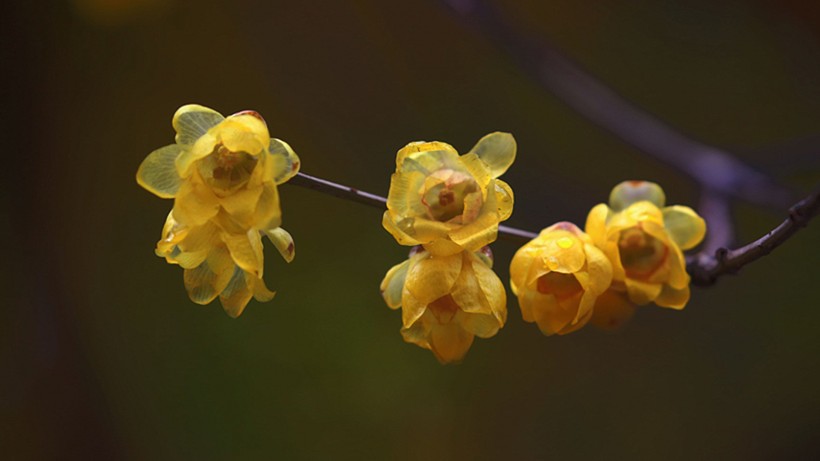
x=102, y=355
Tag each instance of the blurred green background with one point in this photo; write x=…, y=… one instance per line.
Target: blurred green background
x=103, y=356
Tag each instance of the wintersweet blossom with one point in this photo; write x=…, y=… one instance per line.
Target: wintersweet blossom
x=557, y=277
x=643, y=240
x=446, y=301
x=222, y=174
x=446, y=202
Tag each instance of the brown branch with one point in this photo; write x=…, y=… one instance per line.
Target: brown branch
x=710, y=166
x=706, y=267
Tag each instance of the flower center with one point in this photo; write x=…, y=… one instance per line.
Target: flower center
x=225, y=170
x=444, y=309
x=444, y=194
x=641, y=254
x=562, y=286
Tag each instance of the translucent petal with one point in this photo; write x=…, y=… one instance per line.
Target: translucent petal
x=481, y=325
x=612, y=310
x=200, y=284
x=393, y=284
x=244, y=253
x=674, y=298
x=433, y=277
x=467, y=292
x=504, y=199
x=521, y=263
x=192, y=121
x=241, y=204
x=268, y=214
x=236, y=295
x=203, y=147
x=686, y=228
x=411, y=308
x=419, y=332
x=260, y=291
x=642, y=293
x=548, y=314
x=158, y=174
x=480, y=232
x=478, y=170
x=401, y=236
x=244, y=133
x=426, y=230
x=194, y=203
x=497, y=150
x=628, y=192
x=404, y=198
x=283, y=242
x=492, y=289
x=562, y=251
x=442, y=247
x=425, y=156
x=678, y=277
x=284, y=161
x=450, y=342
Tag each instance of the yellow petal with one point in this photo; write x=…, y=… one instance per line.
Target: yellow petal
x=686, y=228
x=492, y=289
x=442, y=247
x=244, y=133
x=283, y=242
x=260, y=291
x=547, y=313
x=401, y=236
x=596, y=223
x=241, y=204
x=678, y=277
x=236, y=295
x=158, y=173
x=195, y=203
x=411, y=308
x=497, y=150
x=246, y=251
x=433, y=277
x=504, y=198
x=641, y=292
x=189, y=156
x=425, y=156
x=478, y=170
x=393, y=284
x=481, y=325
x=599, y=269
x=628, y=192
x=268, y=214
x=403, y=198
x=521, y=264
x=192, y=121
x=467, y=293
x=419, y=332
x=482, y=231
x=283, y=160
x=450, y=342
x=674, y=298
x=200, y=283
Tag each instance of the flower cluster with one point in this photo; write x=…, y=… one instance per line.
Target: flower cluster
x=630, y=255
x=222, y=174
x=450, y=207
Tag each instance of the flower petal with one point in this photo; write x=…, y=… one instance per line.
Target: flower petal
x=433, y=277
x=236, y=295
x=194, y=203
x=245, y=252
x=401, y=236
x=450, y=342
x=596, y=223
x=284, y=162
x=504, y=199
x=492, y=289
x=599, y=269
x=642, y=293
x=628, y=192
x=393, y=284
x=192, y=121
x=200, y=283
x=686, y=228
x=497, y=150
x=158, y=173
x=283, y=242
x=481, y=325
x=425, y=157
x=672, y=297
x=244, y=133
x=612, y=309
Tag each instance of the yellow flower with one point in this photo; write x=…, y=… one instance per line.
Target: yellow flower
x=222, y=174
x=557, y=277
x=446, y=202
x=446, y=301
x=644, y=240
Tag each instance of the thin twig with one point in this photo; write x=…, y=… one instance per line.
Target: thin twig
x=710, y=166
x=705, y=268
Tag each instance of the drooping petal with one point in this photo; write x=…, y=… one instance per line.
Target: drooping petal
x=241, y=204
x=192, y=121
x=686, y=228
x=450, y=342
x=260, y=291
x=481, y=325
x=599, y=269
x=393, y=284
x=412, y=309
x=433, y=277
x=236, y=295
x=200, y=283
x=492, y=289
x=284, y=161
x=641, y=292
x=158, y=173
x=419, y=332
x=283, y=242
x=244, y=252
x=672, y=297
x=497, y=150
x=596, y=223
